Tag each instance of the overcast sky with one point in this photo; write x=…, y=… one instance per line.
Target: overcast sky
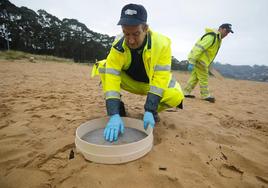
x=183, y=21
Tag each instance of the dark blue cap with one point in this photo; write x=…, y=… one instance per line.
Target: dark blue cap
x=133, y=14
x=227, y=26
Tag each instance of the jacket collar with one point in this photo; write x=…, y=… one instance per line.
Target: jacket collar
x=120, y=44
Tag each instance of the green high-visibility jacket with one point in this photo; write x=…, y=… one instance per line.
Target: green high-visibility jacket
x=206, y=48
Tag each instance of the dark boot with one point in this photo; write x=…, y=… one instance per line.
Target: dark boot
x=210, y=99
x=180, y=105
x=189, y=96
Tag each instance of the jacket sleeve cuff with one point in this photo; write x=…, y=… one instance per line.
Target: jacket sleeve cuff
x=152, y=102
x=192, y=62
x=112, y=106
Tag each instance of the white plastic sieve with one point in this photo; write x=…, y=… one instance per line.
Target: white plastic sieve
x=113, y=153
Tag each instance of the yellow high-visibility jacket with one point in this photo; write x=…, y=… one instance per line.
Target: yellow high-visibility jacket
x=157, y=62
x=206, y=48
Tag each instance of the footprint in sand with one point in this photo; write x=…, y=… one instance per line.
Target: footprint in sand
x=230, y=171
x=261, y=179
x=157, y=137
x=162, y=180
x=171, y=126
x=52, y=163
x=160, y=131
x=229, y=122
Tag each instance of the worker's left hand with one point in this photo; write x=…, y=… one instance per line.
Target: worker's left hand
x=190, y=67
x=148, y=119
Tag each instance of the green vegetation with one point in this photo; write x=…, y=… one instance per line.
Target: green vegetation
x=17, y=55
x=44, y=34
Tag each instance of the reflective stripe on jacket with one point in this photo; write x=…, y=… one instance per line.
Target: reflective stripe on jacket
x=157, y=62
x=206, y=48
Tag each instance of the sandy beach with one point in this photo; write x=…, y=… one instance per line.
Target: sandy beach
x=204, y=145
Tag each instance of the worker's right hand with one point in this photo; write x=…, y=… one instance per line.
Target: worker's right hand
x=114, y=127
x=190, y=67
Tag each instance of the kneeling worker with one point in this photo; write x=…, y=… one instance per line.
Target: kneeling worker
x=138, y=62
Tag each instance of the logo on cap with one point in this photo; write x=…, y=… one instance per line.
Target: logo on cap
x=130, y=12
